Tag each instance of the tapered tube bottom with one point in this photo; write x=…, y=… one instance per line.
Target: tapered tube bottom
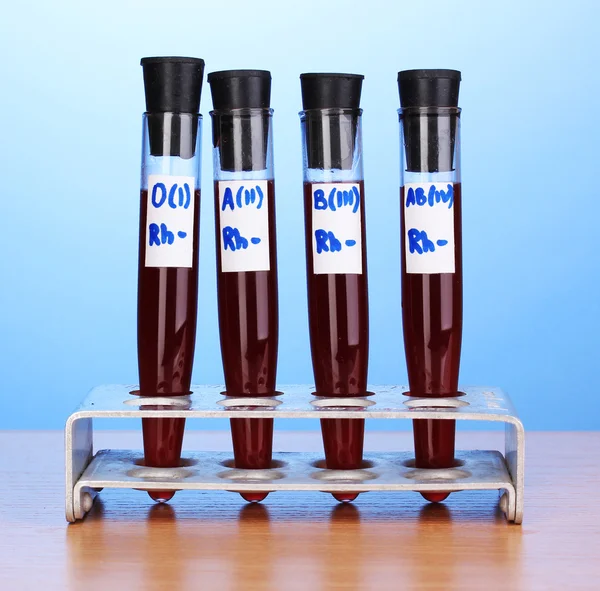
x=434, y=449
x=252, y=449
x=343, y=441
x=163, y=440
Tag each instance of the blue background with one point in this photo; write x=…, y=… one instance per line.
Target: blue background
x=71, y=99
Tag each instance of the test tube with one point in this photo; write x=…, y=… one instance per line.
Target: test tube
x=246, y=252
x=336, y=256
x=431, y=245
x=168, y=251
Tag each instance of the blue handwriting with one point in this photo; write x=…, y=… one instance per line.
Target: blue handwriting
x=327, y=242
x=418, y=197
x=160, y=196
x=160, y=234
x=337, y=198
x=420, y=243
x=233, y=240
x=243, y=197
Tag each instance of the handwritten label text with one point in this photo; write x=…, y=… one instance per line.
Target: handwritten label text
x=170, y=221
x=244, y=225
x=336, y=228
x=429, y=227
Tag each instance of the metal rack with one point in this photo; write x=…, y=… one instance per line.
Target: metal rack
x=88, y=473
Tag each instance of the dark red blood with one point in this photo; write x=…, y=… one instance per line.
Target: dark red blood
x=338, y=309
x=432, y=320
x=436, y=497
x=254, y=497
x=248, y=328
x=161, y=496
x=167, y=308
x=344, y=497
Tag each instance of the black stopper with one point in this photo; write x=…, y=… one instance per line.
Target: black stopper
x=330, y=136
x=173, y=86
x=241, y=137
x=331, y=91
x=240, y=89
x=429, y=137
x=428, y=88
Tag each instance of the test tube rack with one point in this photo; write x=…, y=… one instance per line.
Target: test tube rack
x=88, y=473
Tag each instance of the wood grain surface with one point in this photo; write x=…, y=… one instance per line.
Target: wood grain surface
x=301, y=541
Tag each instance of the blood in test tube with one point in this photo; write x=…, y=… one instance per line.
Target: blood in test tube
x=431, y=248
x=168, y=247
x=246, y=253
x=336, y=258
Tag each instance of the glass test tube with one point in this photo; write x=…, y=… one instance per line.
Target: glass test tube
x=336, y=255
x=168, y=251
x=246, y=252
x=431, y=245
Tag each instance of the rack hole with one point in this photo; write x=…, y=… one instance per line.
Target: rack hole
x=363, y=465
x=250, y=476
x=367, y=393
x=175, y=401
x=183, y=463
x=344, y=476
x=159, y=474
x=435, y=475
x=433, y=403
x=137, y=393
x=456, y=394
x=455, y=464
x=342, y=403
x=274, y=395
x=244, y=403
x=274, y=464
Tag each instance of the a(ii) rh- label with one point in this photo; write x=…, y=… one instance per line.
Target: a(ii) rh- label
x=244, y=225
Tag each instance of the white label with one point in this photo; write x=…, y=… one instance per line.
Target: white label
x=336, y=235
x=244, y=226
x=170, y=221
x=429, y=227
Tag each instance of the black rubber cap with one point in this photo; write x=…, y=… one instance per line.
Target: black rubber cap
x=240, y=89
x=428, y=88
x=331, y=91
x=429, y=139
x=173, y=84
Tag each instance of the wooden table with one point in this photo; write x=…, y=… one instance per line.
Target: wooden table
x=301, y=541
